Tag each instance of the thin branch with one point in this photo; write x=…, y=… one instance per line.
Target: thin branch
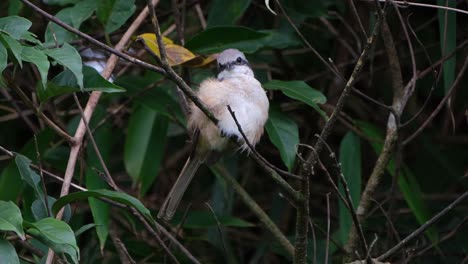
x=108, y=177
x=257, y=210
x=41, y=115
x=441, y=104
x=18, y=110
x=423, y=228
x=408, y=3
x=124, y=256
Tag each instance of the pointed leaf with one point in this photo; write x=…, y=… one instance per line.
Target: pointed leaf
x=57, y=235
x=224, y=13
x=176, y=54
x=73, y=16
x=65, y=82
x=38, y=57
x=3, y=59
x=15, y=26
x=111, y=195
x=14, y=46
x=11, y=219
x=299, y=90
x=350, y=160
x=8, y=252
x=284, y=134
x=144, y=145
x=406, y=181
x=114, y=13
x=99, y=209
x=217, y=39
x=29, y=176
x=68, y=57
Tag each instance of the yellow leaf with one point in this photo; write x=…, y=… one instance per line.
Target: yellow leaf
x=176, y=54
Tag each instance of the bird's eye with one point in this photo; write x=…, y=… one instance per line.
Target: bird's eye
x=221, y=66
x=239, y=60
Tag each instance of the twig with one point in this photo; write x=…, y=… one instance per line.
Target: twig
x=108, y=177
x=441, y=104
x=358, y=18
x=220, y=232
x=41, y=173
x=18, y=110
x=429, y=6
x=423, y=228
x=41, y=115
x=124, y=256
x=302, y=215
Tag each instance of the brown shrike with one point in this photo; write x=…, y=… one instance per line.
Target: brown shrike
x=237, y=87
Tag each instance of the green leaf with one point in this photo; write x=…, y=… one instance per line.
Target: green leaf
x=279, y=40
x=120, y=197
x=8, y=252
x=3, y=59
x=350, y=160
x=114, y=13
x=68, y=57
x=84, y=228
x=14, y=46
x=11, y=183
x=205, y=219
x=15, y=26
x=448, y=40
x=299, y=90
x=14, y=7
x=57, y=235
x=73, y=16
x=65, y=82
x=36, y=56
x=60, y=2
x=29, y=176
x=284, y=134
x=144, y=145
x=99, y=209
x=39, y=211
x=226, y=12
x=11, y=219
x=406, y=181
x=217, y=39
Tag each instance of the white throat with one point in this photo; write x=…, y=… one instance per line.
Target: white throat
x=235, y=71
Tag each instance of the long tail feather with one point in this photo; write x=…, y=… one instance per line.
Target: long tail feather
x=180, y=186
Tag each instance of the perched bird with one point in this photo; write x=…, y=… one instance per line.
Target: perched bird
x=237, y=87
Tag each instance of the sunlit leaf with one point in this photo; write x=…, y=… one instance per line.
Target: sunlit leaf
x=284, y=134
x=11, y=218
